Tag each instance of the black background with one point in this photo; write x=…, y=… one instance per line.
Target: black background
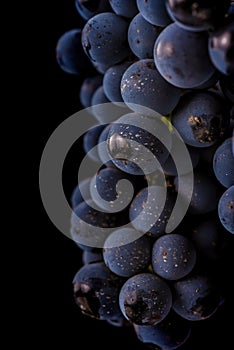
x=59, y=258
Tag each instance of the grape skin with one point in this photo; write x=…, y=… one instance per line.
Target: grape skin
x=226, y=209
x=154, y=12
x=223, y=164
x=96, y=291
x=173, y=256
x=142, y=36
x=142, y=84
x=179, y=53
x=201, y=118
x=145, y=299
x=129, y=259
x=125, y=8
x=195, y=298
x=70, y=54
x=169, y=334
x=104, y=38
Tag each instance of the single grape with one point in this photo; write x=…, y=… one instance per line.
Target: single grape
x=196, y=297
x=70, y=54
x=223, y=163
x=221, y=49
x=226, y=209
x=127, y=259
x=152, y=216
x=173, y=256
x=104, y=38
x=125, y=8
x=154, y=12
x=201, y=118
x=169, y=334
x=182, y=58
x=104, y=192
x=134, y=149
x=96, y=291
x=142, y=36
x=145, y=299
x=197, y=15
x=89, y=8
x=112, y=79
x=143, y=85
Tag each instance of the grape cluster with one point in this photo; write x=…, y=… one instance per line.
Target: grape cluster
x=176, y=58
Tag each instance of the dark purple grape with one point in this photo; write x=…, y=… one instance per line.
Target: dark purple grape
x=226, y=209
x=154, y=12
x=221, y=49
x=127, y=259
x=104, y=192
x=182, y=58
x=143, y=85
x=173, y=256
x=112, y=80
x=96, y=291
x=90, y=8
x=152, y=216
x=196, y=297
x=145, y=299
x=105, y=38
x=201, y=118
x=142, y=36
x=88, y=87
x=223, y=163
x=70, y=54
x=125, y=8
x=82, y=187
x=197, y=15
x=133, y=148
x=205, y=194
x=169, y=334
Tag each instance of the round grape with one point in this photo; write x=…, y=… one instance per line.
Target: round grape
x=173, y=256
x=127, y=259
x=145, y=299
x=223, y=163
x=226, y=209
